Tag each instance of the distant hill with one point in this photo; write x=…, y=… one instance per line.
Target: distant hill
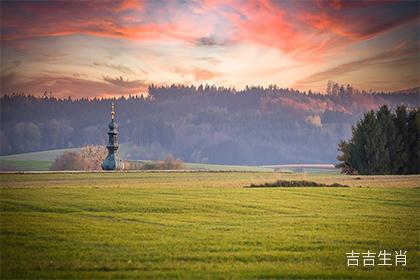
x=205, y=124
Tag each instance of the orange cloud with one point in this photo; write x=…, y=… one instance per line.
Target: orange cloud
x=130, y=5
x=204, y=75
x=199, y=74
x=264, y=23
x=268, y=24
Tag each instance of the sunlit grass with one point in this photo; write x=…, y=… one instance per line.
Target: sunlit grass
x=198, y=225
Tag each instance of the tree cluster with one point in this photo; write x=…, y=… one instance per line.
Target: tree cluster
x=383, y=142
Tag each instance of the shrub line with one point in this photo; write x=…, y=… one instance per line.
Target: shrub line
x=301, y=183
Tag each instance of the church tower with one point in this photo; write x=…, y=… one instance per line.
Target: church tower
x=112, y=161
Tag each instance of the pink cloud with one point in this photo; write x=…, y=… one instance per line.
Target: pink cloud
x=264, y=23
x=108, y=19
x=361, y=29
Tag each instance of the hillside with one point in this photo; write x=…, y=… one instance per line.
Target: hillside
x=206, y=124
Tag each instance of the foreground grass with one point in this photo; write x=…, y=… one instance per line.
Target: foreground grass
x=198, y=225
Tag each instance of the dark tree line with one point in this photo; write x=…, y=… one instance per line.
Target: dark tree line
x=383, y=142
x=198, y=124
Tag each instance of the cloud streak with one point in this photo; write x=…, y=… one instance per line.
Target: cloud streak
x=390, y=57
x=63, y=86
x=120, y=82
x=120, y=68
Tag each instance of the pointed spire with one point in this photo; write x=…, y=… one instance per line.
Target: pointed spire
x=112, y=111
x=112, y=161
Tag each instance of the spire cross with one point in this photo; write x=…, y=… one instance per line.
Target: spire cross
x=112, y=111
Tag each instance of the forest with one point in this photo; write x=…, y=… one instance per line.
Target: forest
x=208, y=124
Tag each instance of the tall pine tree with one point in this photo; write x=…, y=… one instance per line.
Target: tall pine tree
x=401, y=124
x=414, y=141
x=389, y=159
x=364, y=147
x=345, y=165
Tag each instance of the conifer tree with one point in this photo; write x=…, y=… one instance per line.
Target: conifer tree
x=364, y=147
x=401, y=124
x=414, y=141
x=390, y=147
x=346, y=167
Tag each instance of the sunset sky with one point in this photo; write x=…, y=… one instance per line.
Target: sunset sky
x=88, y=48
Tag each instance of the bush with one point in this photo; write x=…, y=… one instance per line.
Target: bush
x=170, y=163
x=68, y=161
x=132, y=165
x=89, y=158
x=302, y=183
x=93, y=156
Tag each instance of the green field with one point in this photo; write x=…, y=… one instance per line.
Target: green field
x=203, y=225
x=36, y=165
x=41, y=161
x=24, y=165
x=49, y=155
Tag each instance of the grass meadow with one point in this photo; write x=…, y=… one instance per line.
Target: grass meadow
x=191, y=225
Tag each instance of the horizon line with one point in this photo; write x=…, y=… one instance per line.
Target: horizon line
x=206, y=86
